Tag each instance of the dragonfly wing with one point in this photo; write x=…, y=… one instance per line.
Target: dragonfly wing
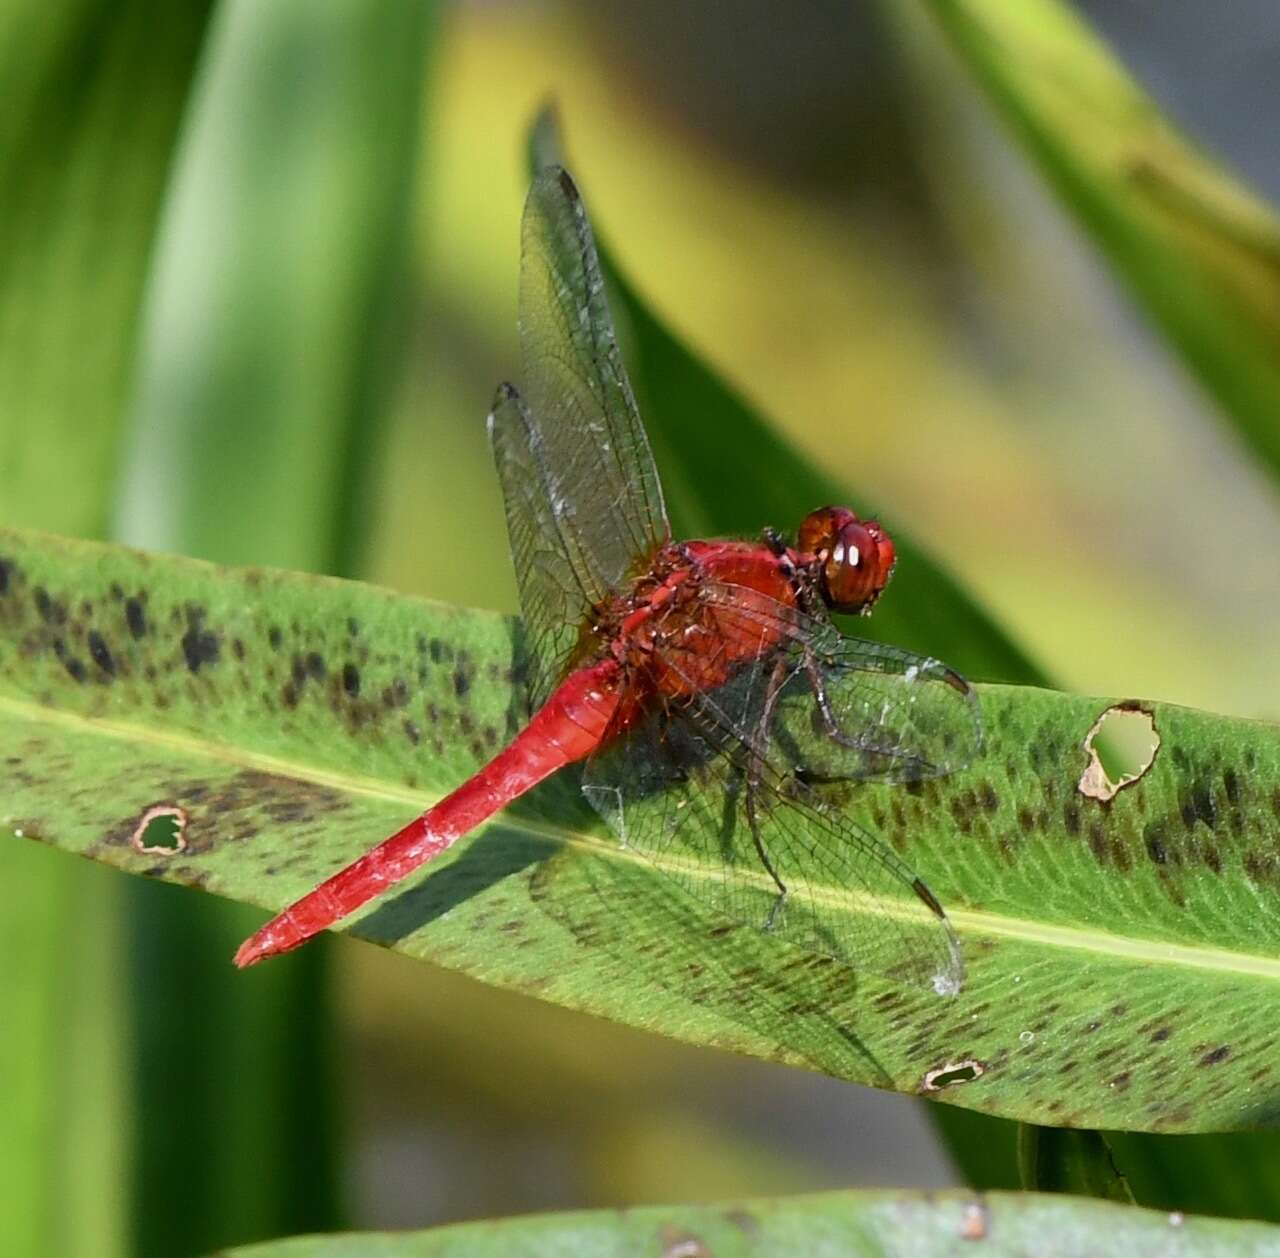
x=583, y=502
x=855, y=709
x=685, y=789
x=603, y=481
x=558, y=585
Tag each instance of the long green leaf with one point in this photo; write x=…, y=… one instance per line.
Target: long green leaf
x=93, y=96
x=264, y=376
x=1059, y=1159
x=1120, y=971
x=1199, y=252
x=1236, y=1174
x=260, y=395
x=859, y=1224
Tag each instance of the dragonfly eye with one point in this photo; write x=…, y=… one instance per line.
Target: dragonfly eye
x=853, y=558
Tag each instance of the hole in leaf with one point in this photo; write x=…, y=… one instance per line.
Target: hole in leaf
x=160, y=830
x=953, y=1074
x=1122, y=746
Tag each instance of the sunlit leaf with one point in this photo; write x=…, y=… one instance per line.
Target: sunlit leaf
x=1121, y=971
x=1198, y=250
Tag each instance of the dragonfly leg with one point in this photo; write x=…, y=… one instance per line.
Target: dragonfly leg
x=831, y=727
x=754, y=774
x=829, y=723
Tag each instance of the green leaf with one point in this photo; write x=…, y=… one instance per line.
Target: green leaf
x=1120, y=973
x=93, y=96
x=1200, y=253
x=1236, y=1174
x=262, y=382
x=1056, y=1159
x=279, y=297
x=862, y=1224
x=94, y=93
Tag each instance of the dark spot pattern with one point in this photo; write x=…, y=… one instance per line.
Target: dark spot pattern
x=100, y=653
x=1153, y=1058
x=135, y=618
x=200, y=646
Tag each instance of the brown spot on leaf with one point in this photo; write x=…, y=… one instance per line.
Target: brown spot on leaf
x=199, y=645
x=101, y=653
x=135, y=618
x=678, y=1243
x=74, y=666
x=975, y=1223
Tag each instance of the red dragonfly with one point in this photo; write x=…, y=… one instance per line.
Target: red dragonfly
x=703, y=682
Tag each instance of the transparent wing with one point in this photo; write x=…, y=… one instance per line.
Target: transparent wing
x=575, y=464
x=712, y=805
x=852, y=709
x=558, y=588
x=605, y=481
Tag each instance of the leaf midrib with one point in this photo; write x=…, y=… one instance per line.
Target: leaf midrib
x=972, y=922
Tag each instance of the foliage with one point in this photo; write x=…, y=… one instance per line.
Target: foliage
x=285, y=714
x=864, y=1225
x=251, y=176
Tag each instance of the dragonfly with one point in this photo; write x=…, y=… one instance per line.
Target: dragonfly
x=703, y=684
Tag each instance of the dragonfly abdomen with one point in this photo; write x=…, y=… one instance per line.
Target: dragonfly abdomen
x=567, y=728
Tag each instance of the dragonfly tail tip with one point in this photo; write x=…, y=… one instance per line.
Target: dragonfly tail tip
x=264, y=943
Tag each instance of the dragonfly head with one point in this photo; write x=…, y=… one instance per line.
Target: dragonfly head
x=852, y=559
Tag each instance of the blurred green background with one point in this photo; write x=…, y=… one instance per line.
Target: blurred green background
x=258, y=268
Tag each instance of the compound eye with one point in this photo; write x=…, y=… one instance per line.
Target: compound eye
x=853, y=558
x=819, y=529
